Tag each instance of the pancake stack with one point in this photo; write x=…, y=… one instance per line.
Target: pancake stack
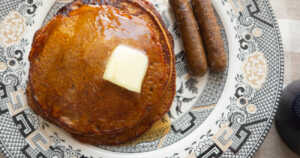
x=68, y=59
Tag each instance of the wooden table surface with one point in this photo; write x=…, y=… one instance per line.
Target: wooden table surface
x=288, y=16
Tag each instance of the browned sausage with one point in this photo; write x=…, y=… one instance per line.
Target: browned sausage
x=194, y=50
x=211, y=34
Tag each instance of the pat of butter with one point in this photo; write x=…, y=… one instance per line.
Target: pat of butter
x=127, y=68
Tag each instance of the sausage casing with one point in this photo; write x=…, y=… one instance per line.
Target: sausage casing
x=192, y=41
x=211, y=34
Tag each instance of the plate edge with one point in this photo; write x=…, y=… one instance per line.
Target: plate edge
x=255, y=148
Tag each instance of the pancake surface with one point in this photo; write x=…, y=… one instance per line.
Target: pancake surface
x=68, y=59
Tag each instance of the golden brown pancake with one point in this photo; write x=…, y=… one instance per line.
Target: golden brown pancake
x=113, y=139
x=68, y=59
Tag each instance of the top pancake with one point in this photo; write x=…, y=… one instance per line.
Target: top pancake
x=68, y=59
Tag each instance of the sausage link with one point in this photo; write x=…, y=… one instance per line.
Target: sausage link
x=193, y=45
x=211, y=33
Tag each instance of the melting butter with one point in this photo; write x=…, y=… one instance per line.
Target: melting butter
x=127, y=68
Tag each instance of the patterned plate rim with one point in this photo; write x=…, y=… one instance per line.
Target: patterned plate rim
x=281, y=82
x=254, y=149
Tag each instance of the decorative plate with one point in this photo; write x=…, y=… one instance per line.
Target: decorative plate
x=220, y=115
